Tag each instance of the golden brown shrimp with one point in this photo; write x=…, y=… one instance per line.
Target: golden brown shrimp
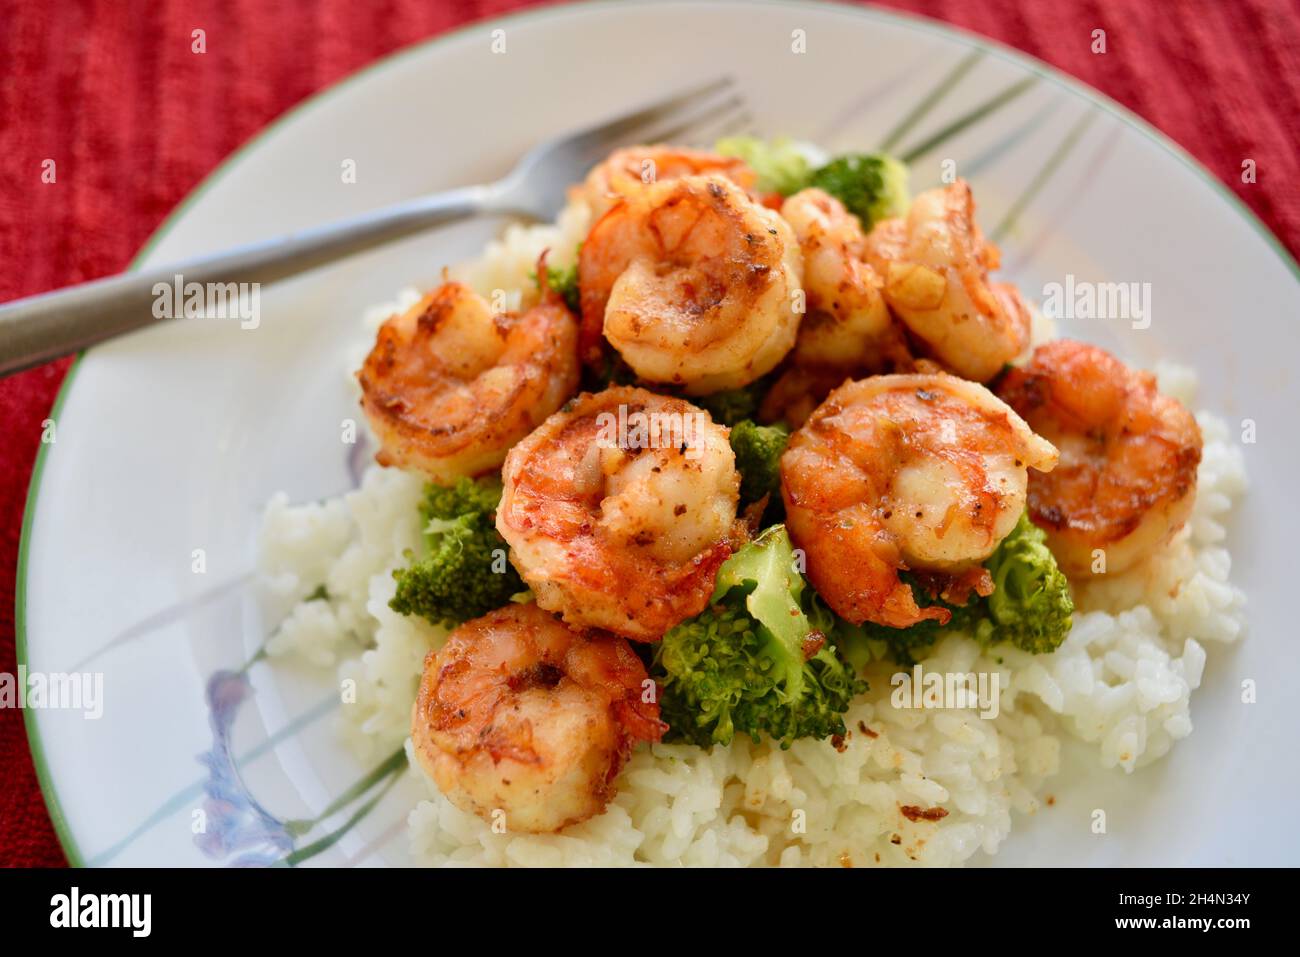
x=797, y=391
x=693, y=283
x=518, y=714
x=938, y=285
x=847, y=315
x=921, y=472
x=619, y=510
x=848, y=331
x=626, y=171
x=449, y=387
x=1127, y=478
x=801, y=387
x=885, y=244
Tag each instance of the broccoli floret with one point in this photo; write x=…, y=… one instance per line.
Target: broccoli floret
x=780, y=165
x=753, y=662
x=906, y=645
x=1030, y=607
x=563, y=280
x=729, y=407
x=732, y=406
x=872, y=186
x=611, y=370
x=758, y=451
x=463, y=573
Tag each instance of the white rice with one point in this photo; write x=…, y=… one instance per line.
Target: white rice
x=508, y=264
x=1122, y=680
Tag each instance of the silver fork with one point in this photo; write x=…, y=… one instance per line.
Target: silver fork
x=44, y=327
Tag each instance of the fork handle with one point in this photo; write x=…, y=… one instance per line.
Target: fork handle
x=44, y=327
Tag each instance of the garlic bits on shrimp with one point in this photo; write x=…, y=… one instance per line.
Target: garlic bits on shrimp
x=619, y=509
x=906, y=472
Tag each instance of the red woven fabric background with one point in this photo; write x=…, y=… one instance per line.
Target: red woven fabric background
x=134, y=120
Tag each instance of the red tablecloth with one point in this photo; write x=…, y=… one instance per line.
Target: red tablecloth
x=133, y=120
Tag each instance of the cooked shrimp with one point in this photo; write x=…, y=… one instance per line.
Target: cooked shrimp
x=921, y=472
x=885, y=244
x=1127, y=478
x=801, y=387
x=693, y=283
x=797, y=392
x=847, y=314
x=521, y=715
x=449, y=387
x=847, y=331
x=626, y=171
x=619, y=510
x=938, y=285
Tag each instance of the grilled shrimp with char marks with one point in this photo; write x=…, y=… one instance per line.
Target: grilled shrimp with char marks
x=1129, y=455
x=896, y=472
x=693, y=282
x=625, y=536
x=448, y=387
x=519, y=713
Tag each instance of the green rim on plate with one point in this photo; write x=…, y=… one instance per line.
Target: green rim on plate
x=946, y=31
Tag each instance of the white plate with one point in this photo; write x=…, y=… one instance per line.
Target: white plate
x=172, y=440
